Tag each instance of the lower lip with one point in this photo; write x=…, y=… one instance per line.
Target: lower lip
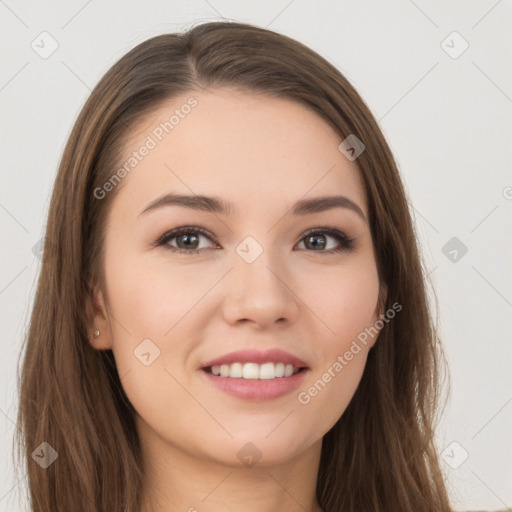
x=257, y=390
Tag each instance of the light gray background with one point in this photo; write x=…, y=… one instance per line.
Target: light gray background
x=448, y=121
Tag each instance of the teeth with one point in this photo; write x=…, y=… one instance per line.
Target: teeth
x=267, y=371
x=250, y=371
x=236, y=370
x=264, y=371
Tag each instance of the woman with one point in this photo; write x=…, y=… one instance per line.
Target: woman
x=231, y=312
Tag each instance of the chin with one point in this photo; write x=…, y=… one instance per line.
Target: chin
x=259, y=450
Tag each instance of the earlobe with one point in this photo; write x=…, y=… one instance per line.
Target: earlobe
x=98, y=327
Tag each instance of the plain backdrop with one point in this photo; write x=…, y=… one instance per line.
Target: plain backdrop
x=436, y=75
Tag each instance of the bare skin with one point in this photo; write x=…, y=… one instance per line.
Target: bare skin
x=261, y=154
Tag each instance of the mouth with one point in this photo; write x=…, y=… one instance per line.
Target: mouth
x=256, y=376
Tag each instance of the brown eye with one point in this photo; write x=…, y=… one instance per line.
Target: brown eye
x=317, y=240
x=188, y=240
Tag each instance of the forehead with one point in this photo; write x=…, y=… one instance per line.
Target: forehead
x=247, y=148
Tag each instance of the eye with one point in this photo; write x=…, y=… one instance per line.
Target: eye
x=315, y=239
x=188, y=240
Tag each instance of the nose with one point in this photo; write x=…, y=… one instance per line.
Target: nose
x=260, y=293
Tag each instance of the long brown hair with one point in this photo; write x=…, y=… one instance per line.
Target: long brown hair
x=380, y=455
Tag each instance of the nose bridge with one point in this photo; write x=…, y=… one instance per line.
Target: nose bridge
x=258, y=288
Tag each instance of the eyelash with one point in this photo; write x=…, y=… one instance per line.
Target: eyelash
x=347, y=244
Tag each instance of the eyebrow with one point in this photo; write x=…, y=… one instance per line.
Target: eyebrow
x=217, y=205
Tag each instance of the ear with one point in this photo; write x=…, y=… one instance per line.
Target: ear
x=380, y=309
x=99, y=320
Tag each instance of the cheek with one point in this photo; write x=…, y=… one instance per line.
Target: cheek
x=346, y=306
x=344, y=301
x=154, y=314
x=148, y=318
x=146, y=299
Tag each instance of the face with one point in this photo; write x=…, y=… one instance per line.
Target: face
x=268, y=285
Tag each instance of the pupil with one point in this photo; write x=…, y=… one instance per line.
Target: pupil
x=316, y=243
x=187, y=239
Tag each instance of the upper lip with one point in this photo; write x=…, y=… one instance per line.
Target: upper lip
x=274, y=355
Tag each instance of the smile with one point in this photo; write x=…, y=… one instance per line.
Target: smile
x=252, y=375
x=254, y=371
